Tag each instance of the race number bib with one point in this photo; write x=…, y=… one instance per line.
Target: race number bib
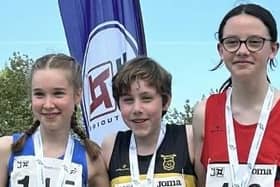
x=218, y=175
x=25, y=172
x=176, y=181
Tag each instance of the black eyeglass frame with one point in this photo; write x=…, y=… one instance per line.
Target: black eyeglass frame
x=245, y=42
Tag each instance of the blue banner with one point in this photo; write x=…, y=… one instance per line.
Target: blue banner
x=102, y=35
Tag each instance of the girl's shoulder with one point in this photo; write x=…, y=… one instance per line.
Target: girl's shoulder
x=5, y=151
x=5, y=143
x=5, y=148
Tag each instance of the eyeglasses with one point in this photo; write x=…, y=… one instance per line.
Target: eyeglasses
x=252, y=43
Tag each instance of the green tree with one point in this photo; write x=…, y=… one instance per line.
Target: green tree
x=173, y=116
x=15, y=108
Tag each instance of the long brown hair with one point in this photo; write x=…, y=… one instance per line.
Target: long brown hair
x=67, y=63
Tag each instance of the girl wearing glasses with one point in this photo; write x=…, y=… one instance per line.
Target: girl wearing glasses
x=236, y=132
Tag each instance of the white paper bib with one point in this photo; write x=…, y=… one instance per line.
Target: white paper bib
x=25, y=173
x=218, y=175
x=176, y=181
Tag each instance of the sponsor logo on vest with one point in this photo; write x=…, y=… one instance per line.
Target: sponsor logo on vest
x=123, y=168
x=168, y=162
x=174, y=182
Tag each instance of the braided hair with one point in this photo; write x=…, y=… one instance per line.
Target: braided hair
x=67, y=63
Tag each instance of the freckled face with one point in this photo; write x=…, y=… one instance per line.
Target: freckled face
x=53, y=98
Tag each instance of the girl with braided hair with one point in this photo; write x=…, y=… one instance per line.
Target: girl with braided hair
x=47, y=154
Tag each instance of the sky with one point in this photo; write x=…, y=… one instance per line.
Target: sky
x=179, y=35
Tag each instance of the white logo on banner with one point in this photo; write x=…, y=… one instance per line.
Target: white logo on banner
x=109, y=46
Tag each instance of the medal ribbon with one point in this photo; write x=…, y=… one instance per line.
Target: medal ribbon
x=240, y=177
x=38, y=148
x=133, y=160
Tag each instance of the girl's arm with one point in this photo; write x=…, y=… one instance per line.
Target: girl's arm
x=198, y=132
x=5, y=151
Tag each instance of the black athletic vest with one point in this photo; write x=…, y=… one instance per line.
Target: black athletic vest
x=172, y=160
